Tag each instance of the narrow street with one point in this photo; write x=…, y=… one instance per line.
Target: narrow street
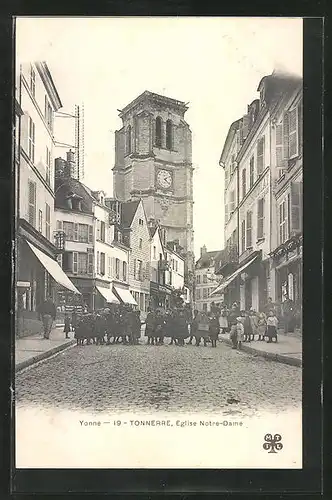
x=158, y=378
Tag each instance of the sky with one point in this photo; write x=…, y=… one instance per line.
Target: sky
x=213, y=63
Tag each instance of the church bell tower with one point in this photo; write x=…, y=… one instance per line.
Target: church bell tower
x=153, y=161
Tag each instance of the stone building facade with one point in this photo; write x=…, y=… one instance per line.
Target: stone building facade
x=153, y=162
x=258, y=171
x=38, y=274
x=206, y=280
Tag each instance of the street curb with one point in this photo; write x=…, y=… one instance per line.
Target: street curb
x=280, y=358
x=42, y=356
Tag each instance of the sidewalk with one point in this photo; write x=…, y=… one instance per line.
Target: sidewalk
x=34, y=348
x=287, y=350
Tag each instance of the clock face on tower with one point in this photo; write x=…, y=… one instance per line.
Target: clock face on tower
x=164, y=179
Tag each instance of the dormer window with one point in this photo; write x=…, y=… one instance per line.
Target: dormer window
x=74, y=202
x=102, y=199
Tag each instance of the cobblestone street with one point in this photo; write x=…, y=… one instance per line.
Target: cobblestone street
x=159, y=378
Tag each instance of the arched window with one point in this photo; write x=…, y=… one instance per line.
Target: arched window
x=169, y=134
x=158, y=132
x=128, y=140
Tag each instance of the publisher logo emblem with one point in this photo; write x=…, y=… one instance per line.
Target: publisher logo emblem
x=272, y=443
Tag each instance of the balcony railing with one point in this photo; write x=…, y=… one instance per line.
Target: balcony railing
x=229, y=256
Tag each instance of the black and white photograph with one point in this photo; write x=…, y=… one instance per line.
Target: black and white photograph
x=158, y=252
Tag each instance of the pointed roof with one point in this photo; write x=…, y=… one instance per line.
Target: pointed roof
x=128, y=212
x=207, y=259
x=153, y=231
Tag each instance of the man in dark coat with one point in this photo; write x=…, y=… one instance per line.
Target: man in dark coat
x=288, y=314
x=47, y=314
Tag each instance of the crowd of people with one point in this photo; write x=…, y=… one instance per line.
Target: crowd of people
x=122, y=324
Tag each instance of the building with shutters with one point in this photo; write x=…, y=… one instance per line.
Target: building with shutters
x=287, y=188
x=93, y=256
x=206, y=280
x=37, y=272
x=136, y=236
x=249, y=160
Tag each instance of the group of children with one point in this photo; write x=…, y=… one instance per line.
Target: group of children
x=105, y=326
x=245, y=327
x=123, y=324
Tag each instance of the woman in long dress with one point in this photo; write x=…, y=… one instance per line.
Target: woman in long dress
x=223, y=321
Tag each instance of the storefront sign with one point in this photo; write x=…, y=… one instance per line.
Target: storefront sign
x=156, y=288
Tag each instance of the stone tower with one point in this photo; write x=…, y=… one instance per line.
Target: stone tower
x=153, y=162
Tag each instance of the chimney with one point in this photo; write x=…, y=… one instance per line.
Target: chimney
x=203, y=250
x=71, y=163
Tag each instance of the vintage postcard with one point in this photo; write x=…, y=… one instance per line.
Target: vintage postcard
x=158, y=276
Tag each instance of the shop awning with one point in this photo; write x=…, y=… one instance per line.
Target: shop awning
x=53, y=268
x=125, y=296
x=220, y=288
x=108, y=295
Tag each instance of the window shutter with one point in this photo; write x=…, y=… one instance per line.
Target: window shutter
x=293, y=132
x=260, y=218
x=147, y=271
x=300, y=126
x=249, y=229
x=279, y=145
x=295, y=207
x=243, y=235
x=134, y=267
x=75, y=262
x=285, y=137
x=90, y=262
x=102, y=263
x=90, y=234
x=288, y=216
x=32, y=203
x=75, y=231
x=25, y=132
